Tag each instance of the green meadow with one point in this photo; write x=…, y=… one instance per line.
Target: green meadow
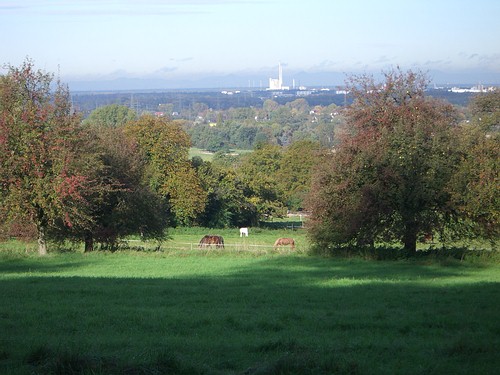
x=244, y=311
x=205, y=155
x=208, y=156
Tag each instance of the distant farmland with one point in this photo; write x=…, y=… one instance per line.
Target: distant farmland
x=208, y=156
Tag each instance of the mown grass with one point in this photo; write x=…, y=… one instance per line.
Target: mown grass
x=197, y=312
x=208, y=156
x=203, y=154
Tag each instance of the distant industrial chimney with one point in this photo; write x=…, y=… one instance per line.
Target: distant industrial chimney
x=277, y=84
x=280, y=76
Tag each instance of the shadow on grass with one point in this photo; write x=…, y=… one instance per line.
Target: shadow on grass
x=398, y=253
x=35, y=265
x=284, y=315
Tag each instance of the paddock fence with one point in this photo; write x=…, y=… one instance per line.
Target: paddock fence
x=228, y=247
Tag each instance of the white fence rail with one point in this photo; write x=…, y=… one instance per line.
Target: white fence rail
x=227, y=246
x=236, y=247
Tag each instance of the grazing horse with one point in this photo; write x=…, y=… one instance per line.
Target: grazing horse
x=210, y=240
x=243, y=232
x=284, y=242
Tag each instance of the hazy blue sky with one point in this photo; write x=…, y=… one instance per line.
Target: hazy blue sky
x=93, y=39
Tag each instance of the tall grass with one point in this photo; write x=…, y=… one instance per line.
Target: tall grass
x=195, y=312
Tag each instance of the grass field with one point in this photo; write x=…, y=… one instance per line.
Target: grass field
x=259, y=241
x=207, y=156
x=244, y=312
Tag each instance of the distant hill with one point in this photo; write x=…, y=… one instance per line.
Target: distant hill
x=260, y=80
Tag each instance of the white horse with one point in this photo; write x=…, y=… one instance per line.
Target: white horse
x=243, y=232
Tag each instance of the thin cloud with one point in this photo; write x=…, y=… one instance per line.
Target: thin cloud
x=8, y=7
x=325, y=64
x=166, y=70
x=183, y=59
x=384, y=60
x=483, y=60
x=436, y=62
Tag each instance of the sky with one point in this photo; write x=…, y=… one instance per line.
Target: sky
x=189, y=41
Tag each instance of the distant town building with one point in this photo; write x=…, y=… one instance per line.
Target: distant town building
x=474, y=89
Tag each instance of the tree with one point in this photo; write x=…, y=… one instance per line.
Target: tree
x=325, y=123
x=476, y=184
x=299, y=106
x=485, y=109
x=111, y=116
x=166, y=148
x=227, y=205
x=44, y=166
x=127, y=205
x=388, y=178
x=295, y=171
x=258, y=172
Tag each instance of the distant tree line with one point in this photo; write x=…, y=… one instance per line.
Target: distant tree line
x=246, y=128
x=396, y=165
x=185, y=102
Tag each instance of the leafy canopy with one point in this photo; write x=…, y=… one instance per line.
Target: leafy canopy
x=388, y=178
x=166, y=148
x=44, y=167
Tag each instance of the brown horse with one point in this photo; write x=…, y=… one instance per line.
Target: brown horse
x=210, y=240
x=284, y=242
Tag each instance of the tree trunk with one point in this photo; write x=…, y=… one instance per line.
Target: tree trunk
x=89, y=242
x=410, y=239
x=42, y=244
x=41, y=226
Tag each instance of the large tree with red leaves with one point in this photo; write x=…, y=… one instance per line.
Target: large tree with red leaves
x=44, y=169
x=388, y=179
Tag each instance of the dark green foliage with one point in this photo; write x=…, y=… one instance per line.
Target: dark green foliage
x=258, y=171
x=227, y=205
x=485, y=108
x=111, y=116
x=262, y=184
x=127, y=205
x=295, y=171
x=210, y=138
x=475, y=185
x=164, y=146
